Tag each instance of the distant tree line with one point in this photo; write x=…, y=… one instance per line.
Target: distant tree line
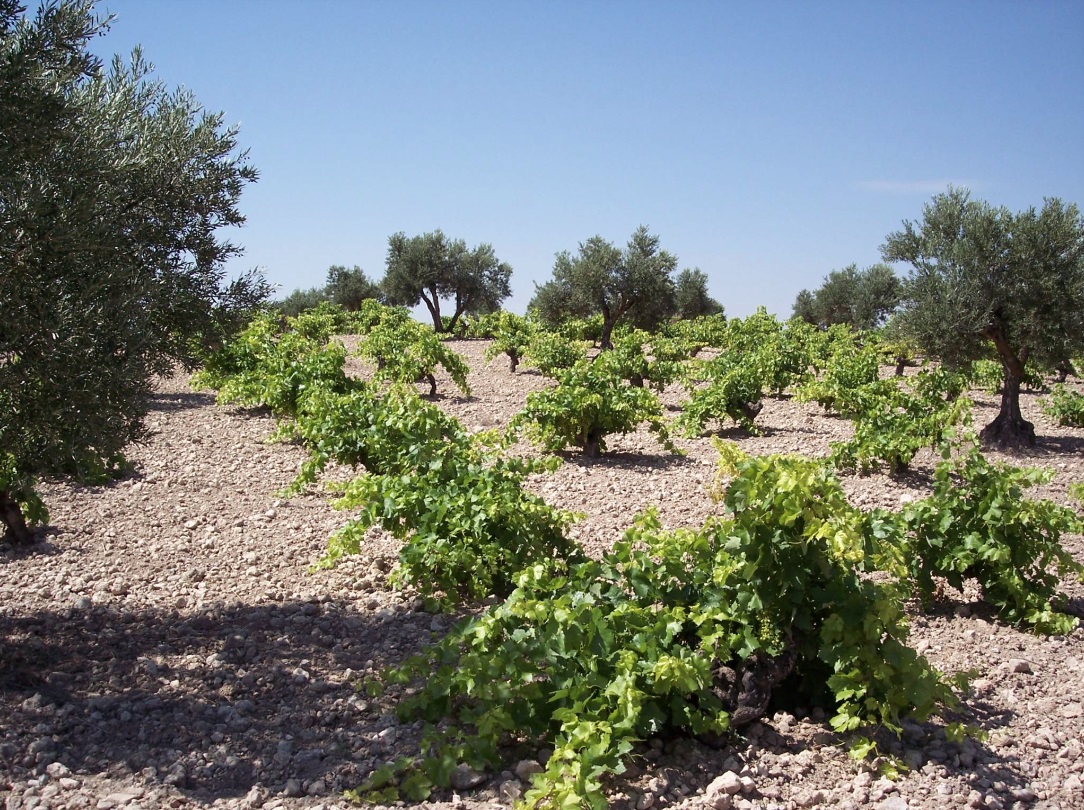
x=636, y=284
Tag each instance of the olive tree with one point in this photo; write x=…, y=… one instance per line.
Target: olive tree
x=431, y=267
x=112, y=191
x=859, y=298
x=691, y=297
x=348, y=287
x=983, y=276
x=635, y=283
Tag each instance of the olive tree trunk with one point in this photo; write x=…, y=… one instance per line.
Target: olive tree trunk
x=1010, y=430
x=605, y=341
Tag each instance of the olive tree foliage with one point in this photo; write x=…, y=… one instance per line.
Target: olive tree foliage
x=691, y=298
x=112, y=193
x=432, y=267
x=347, y=287
x=301, y=300
x=983, y=276
x=635, y=284
x=862, y=299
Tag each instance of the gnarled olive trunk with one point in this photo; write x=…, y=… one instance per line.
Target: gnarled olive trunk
x=1010, y=430
x=432, y=303
x=11, y=514
x=605, y=341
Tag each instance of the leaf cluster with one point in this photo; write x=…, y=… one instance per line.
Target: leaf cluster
x=989, y=375
x=1066, y=406
x=512, y=335
x=734, y=389
x=590, y=402
x=552, y=353
x=407, y=351
x=892, y=423
x=460, y=507
x=850, y=376
x=696, y=334
x=636, y=359
x=271, y=366
x=658, y=636
x=979, y=524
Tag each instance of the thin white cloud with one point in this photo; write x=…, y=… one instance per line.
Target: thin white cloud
x=912, y=186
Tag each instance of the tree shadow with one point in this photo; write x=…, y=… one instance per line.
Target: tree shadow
x=43, y=547
x=625, y=460
x=913, y=478
x=1058, y=445
x=213, y=702
x=1074, y=606
x=184, y=401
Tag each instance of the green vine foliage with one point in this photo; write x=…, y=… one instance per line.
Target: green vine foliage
x=511, y=335
x=22, y=489
x=684, y=631
x=940, y=382
x=466, y=520
x=734, y=390
x=581, y=330
x=385, y=431
x=784, y=354
x=895, y=423
x=979, y=524
x=482, y=326
x=590, y=402
x=552, y=353
x=989, y=375
x=372, y=313
x=322, y=322
x=407, y=351
x=751, y=333
x=270, y=368
x=1065, y=406
x=696, y=334
x=849, y=379
x=634, y=359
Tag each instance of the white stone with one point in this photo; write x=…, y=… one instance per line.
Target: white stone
x=729, y=783
x=1020, y=665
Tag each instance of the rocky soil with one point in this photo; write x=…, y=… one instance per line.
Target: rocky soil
x=167, y=645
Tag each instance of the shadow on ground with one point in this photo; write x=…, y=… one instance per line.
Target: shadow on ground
x=213, y=701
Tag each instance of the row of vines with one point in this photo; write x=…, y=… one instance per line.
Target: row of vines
x=691, y=630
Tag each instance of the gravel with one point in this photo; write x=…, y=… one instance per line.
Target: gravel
x=168, y=644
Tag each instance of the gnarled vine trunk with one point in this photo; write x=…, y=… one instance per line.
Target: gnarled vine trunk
x=11, y=514
x=591, y=445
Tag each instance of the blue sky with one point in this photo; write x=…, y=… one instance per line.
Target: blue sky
x=765, y=143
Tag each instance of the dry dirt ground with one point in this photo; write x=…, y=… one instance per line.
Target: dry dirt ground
x=166, y=644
